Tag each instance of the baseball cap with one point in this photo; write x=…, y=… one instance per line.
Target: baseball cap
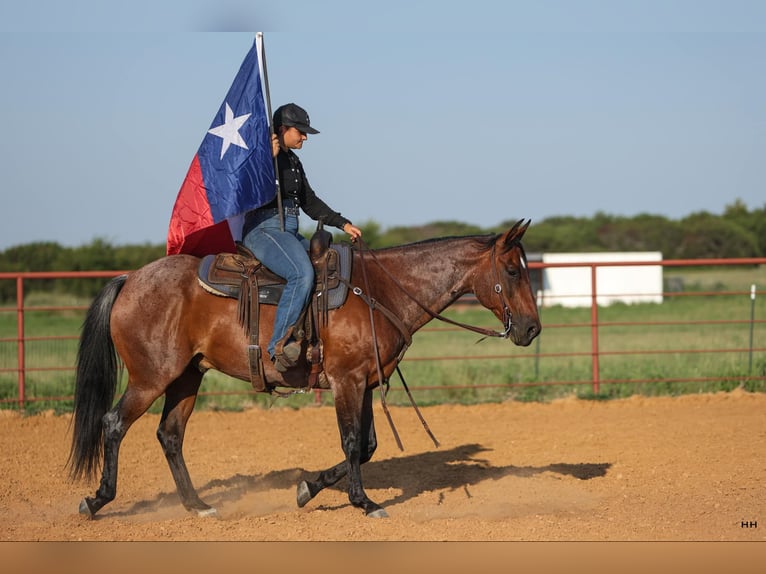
x=292, y=115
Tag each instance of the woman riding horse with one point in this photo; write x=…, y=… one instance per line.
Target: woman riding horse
x=168, y=332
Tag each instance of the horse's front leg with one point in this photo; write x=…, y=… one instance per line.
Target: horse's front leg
x=349, y=410
x=357, y=431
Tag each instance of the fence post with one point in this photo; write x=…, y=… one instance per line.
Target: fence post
x=20, y=335
x=537, y=342
x=594, y=327
x=752, y=323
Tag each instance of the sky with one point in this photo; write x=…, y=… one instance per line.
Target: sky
x=480, y=112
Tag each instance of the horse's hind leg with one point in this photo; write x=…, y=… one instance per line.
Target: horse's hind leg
x=180, y=398
x=368, y=443
x=116, y=421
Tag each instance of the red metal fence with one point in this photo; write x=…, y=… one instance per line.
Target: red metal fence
x=595, y=324
x=23, y=368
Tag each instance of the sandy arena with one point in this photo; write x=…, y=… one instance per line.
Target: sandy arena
x=689, y=468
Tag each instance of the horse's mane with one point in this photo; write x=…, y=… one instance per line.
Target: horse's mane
x=485, y=242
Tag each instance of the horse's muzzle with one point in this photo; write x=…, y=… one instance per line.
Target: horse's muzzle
x=523, y=332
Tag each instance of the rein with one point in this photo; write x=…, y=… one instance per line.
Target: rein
x=372, y=305
x=408, y=341
x=507, y=315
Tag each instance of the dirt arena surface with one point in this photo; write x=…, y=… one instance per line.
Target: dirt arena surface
x=688, y=468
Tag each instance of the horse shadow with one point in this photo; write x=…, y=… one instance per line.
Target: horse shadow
x=450, y=469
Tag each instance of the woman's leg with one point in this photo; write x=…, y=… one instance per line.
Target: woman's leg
x=285, y=254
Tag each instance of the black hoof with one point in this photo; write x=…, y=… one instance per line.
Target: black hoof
x=85, y=508
x=304, y=494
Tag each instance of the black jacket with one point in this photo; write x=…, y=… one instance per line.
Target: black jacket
x=294, y=185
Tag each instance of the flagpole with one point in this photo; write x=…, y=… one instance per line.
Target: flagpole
x=267, y=97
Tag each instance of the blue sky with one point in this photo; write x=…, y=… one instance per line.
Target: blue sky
x=477, y=112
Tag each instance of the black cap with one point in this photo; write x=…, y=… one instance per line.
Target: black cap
x=292, y=115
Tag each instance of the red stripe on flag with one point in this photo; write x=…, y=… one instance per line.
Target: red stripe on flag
x=192, y=229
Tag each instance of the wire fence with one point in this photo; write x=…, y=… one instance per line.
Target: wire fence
x=597, y=333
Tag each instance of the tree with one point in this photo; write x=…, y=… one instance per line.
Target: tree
x=754, y=222
x=707, y=236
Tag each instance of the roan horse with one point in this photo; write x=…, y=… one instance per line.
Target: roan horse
x=168, y=332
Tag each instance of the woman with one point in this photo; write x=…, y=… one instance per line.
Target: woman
x=286, y=252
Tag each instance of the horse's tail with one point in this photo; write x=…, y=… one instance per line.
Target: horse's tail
x=95, y=383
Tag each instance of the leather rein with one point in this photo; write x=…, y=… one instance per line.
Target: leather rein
x=394, y=319
x=498, y=288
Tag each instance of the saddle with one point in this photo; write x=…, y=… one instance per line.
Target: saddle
x=243, y=277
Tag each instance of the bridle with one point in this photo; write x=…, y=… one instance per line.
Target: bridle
x=507, y=313
x=498, y=288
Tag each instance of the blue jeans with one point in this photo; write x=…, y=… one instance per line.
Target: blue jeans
x=286, y=254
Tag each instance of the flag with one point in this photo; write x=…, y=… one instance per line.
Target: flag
x=232, y=171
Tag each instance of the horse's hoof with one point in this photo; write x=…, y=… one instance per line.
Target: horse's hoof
x=379, y=513
x=85, y=509
x=304, y=494
x=206, y=512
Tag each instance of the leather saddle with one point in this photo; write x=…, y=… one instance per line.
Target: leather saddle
x=243, y=277
x=223, y=274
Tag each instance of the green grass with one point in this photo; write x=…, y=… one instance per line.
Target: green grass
x=643, y=358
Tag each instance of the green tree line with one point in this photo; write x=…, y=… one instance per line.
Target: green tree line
x=737, y=232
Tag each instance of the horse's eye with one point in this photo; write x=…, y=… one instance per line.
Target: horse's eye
x=513, y=272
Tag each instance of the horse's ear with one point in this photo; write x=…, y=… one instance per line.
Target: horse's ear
x=515, y=233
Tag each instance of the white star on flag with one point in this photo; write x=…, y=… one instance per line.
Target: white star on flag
x=229, y=130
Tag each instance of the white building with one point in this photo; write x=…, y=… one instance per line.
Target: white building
x=571, y=286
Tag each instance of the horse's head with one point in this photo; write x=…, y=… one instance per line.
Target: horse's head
x=502, y=285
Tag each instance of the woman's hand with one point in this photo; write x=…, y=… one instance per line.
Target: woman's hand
x=353, y=231
x=274, y=145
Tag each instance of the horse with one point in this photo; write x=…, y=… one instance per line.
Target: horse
x=166, y=331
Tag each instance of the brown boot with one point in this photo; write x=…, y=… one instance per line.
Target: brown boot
x=288, y=357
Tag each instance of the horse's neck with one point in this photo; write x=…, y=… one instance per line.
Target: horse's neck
x=434, y=273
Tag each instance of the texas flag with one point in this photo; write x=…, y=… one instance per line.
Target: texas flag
x=232, y=172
